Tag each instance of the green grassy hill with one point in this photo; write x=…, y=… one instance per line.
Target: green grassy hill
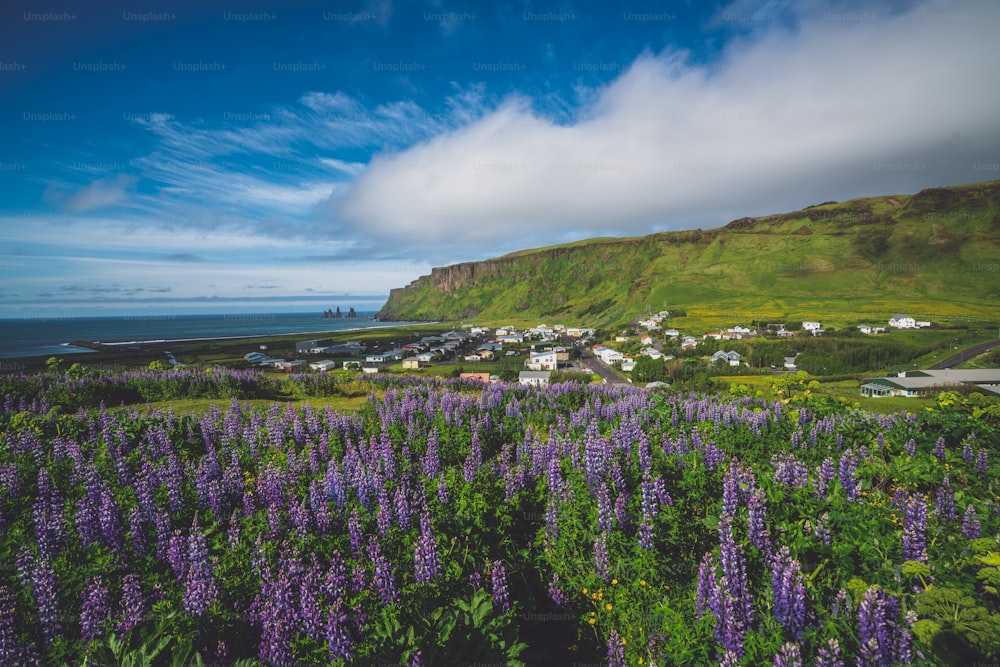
x=934, y=255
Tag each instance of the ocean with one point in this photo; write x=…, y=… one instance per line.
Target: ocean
x=35, y=336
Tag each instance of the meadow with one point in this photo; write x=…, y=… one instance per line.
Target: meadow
x=186, y=517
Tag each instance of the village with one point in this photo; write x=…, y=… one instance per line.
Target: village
x=542, y=354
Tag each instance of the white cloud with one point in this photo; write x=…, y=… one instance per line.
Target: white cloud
x=834, y=107
x=99, y=194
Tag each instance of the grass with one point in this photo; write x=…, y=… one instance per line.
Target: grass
x=845, y=389
x=200, y=406
x=845, y=264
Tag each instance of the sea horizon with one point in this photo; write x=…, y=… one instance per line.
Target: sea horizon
x=52, y=335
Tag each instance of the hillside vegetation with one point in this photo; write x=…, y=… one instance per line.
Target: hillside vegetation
x=933, y=255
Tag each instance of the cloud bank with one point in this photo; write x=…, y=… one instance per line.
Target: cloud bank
x=838, y=105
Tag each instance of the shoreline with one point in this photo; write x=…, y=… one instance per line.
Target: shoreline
x=161, y=344
x=164, y=341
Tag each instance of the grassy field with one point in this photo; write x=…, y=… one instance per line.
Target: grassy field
x=931, y=255
x=200, y=406
x=845, y=389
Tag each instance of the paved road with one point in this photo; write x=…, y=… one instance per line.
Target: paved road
x=965, y=354
x=602, y=369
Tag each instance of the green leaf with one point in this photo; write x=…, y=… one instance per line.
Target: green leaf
x=992, y=558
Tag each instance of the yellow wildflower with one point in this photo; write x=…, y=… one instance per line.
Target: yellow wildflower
x=608, y=606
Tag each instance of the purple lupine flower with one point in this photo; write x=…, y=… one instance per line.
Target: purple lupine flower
x=498, y=583
x=706, y=585
x=915, y=529
x=884, y=640
x=970, y=524
x=616, y=650
x=731, y=489
x=356, y=534
x=338, y=634
x=601, y=566
x=829, y=655
x=95, y=609
x=967, y=453
x=646, y=531
x=401, y=506
x=274, y=609
x=911, y=449
x=86, y=520
x=476, y=579
x=757, y=527
x=427, y=565
x=823, y=477
x=134, y=604
x=944, y=500
x=385, y=583
x=734, y=569
x=789, y=655
x=789, y=471
x=604, y=521
x=621, y=510
x=199, y=583
x=848, y=467
x=982, y=463
x=46, y=592
x=11, y=652
x=713, y=455
x=733, y=606
x=109, y=518
x=939, y=450
x=556, y=593
x=9, y=649
x=788, y=593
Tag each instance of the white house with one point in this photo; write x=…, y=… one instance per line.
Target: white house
x=902, y=321
x=922, y=324
x=865, y=329
x=610, y=356
x=628, y=364
x=790, y=363
x=652, y=353
x=323, y=366
x=646, y=340
x=534, y=378
x=425, y=357
x=812, y=327
x=689, y=343
x=672, y=333
x=731, y=358
x=542, y=361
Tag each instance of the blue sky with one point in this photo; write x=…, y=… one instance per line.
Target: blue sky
x=264, y=156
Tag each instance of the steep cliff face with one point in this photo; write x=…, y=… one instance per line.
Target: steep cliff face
x=898, y=252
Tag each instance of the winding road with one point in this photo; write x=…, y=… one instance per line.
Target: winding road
x=967, y=353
